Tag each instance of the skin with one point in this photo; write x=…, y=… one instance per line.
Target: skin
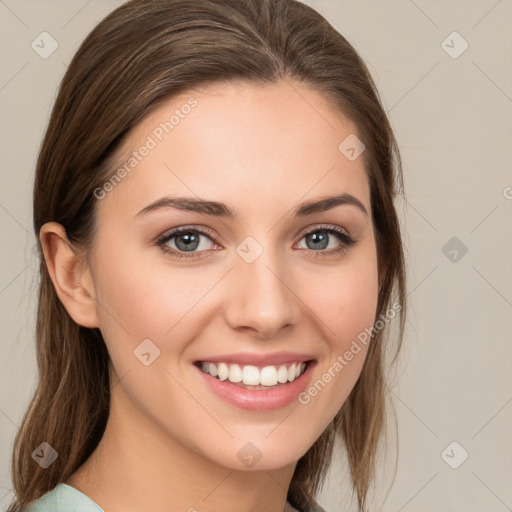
x=170, y=444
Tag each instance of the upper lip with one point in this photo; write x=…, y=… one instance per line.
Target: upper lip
x=247, y=358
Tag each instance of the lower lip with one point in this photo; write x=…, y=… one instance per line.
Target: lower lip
x=259, y=399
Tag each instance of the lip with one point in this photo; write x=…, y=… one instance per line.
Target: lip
x=259, y=360
x=258, y=399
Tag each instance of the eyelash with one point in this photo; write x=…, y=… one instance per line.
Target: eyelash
x=346, y=241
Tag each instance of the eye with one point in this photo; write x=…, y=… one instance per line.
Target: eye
x=185, y=240
x=320, y=238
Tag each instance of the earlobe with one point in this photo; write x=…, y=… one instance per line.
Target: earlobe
x=70, y=275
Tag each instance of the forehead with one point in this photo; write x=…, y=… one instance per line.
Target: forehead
x=239, y=140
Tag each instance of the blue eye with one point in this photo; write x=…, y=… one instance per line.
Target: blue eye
x=185, y=240
x=321, y=236
x=188, y=240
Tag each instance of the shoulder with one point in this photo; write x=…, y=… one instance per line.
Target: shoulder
x=62, y=499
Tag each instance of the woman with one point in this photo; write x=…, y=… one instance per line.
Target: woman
x=222, y=258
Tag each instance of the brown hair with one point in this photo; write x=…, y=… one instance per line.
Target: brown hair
x=141, y=54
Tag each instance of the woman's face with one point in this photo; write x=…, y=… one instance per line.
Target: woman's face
x=270, y=286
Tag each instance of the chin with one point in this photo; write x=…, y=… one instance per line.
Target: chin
x=259, y=453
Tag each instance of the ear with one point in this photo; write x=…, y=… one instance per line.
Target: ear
x=70, y=274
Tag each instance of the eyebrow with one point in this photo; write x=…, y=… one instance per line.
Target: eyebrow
x=222, y=210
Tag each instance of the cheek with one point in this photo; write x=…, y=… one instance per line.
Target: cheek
x=345, y=303
x=148, y=316
x=144, y=298
x=355, y=310
x=345, y=299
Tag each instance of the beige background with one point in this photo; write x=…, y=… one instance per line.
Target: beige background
x=453, y=120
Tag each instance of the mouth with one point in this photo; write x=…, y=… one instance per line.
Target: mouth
x=255, y=387
x=255, y=377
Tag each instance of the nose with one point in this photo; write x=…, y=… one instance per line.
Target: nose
x=262, y=298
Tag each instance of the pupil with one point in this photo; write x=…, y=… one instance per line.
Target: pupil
x=319, y=238
x=189, y=240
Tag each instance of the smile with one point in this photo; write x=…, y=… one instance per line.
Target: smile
x=251, y=375
x=256, y=388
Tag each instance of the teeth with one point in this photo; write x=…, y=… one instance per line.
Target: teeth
x=235, y=373
x=213, y=370
x=268, y=376
x=282, y=374
x=252, y=375
x=291, y=373
x=223, y=371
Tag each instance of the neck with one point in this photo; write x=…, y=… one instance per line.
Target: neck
x=137, y=466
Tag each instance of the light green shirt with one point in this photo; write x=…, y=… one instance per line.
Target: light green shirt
x=64, y=498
